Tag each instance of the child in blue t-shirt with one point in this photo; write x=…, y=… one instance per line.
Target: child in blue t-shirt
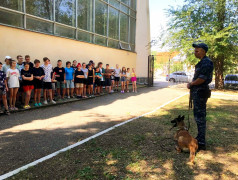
x=69, y=76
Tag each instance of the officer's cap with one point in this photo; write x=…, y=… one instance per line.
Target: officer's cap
x=201, y=45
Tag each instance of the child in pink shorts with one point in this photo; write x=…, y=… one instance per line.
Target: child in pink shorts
x=133, y=80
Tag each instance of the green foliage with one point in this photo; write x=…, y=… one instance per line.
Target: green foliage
x=211, y=21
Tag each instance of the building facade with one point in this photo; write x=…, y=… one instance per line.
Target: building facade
x=110, y=31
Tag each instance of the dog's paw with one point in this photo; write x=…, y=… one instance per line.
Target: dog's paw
x=191, y=164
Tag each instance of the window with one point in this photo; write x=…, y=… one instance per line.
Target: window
x=10, y=18
x=109, y=23
x=132, y=30
x=127, y=2
x=133, y=4
x=85, y=14
x=133, y=13
x=100, y=18
x=124, y=27
x=65, y=31
x=12, y=4
x=113, y=44
x=124, y=9
x=125, y=46
x=115, y=3
x=65, y=12
x=100, y=40
x=39, y=25
x=84, y=36
x=40, y=8
x=113, y=23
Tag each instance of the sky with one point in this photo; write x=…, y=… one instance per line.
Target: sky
x=158, y=18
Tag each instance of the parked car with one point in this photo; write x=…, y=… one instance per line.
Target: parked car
x=231, y=81
x=179, y=77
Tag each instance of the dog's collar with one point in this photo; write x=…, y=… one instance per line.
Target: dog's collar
x=183, y=128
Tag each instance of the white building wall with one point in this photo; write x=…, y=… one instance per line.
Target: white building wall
x=142, y=37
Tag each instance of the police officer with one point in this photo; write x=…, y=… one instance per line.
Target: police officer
x=200, y=91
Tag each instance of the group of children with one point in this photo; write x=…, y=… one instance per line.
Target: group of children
x=19, y=78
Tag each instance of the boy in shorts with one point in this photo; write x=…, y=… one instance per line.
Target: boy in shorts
x=78, y=79
x=59, y=75
x=47, y=86
x=117, y=76
x=108, y=78
x=3, y=90
x=98, y=77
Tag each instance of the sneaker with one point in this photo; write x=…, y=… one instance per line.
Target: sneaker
x=7, y=112
x=11, y=108
x=36, y=105
x=15, y=109
x=128, y=91
x=45, y=102
x=39, y=104
x=68, y=97
x=53, y=102
x=28, y=106
x=1, y=111
x=112, y=91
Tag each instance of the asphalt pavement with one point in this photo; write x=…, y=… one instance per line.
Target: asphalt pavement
x=30, y=135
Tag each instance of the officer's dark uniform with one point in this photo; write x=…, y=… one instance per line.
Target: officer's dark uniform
x=203, y=70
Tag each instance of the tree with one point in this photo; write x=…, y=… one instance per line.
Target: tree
x=211, y=21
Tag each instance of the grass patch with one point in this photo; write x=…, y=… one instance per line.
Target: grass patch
x=144, y=149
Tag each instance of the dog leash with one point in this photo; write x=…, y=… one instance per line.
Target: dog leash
x=190, y=106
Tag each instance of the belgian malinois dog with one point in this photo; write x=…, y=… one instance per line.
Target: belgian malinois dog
x=185, y=141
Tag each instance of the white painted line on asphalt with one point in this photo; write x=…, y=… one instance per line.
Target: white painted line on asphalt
x=11, y=173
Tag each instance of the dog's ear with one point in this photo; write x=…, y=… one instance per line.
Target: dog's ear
x=174, y=121
x=182, y=118
x=179, y=117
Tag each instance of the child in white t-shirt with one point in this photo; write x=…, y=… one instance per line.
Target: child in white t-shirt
x=13, y=83
x=117, y=76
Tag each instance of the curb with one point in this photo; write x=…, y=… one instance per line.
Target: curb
x=63, y=102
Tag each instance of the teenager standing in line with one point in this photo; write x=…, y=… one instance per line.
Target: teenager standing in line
x=98, y=77
x=78, y=79
x=27, y=81
x=102, y=71
x=13, y=84
x=123, y=79
x=47, y=86
x=133, y=80
x=28, y=60
x=59, y=75
x=38, y=75
x=6, y=66
x=112, y=79
x=3, y=90
x=85, y=81
x=69, y=71
x=91, y=79
x=20, y=66
x=108, y=78
x=117, y=76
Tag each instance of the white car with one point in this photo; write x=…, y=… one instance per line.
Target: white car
x=179, y=77
x=231, y=80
